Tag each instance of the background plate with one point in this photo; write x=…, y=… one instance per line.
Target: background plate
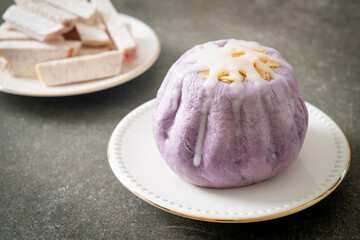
x=148, y=52
x=318, y=170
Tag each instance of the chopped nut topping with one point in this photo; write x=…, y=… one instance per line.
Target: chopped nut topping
x=237, y=54
x=263, y=72
x=203, y=74
x=272, y=64
x=259, y=50
x=224, y=77
x=243, y=74
x=260, y=71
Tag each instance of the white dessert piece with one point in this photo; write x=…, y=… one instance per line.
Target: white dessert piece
x=93, y=50
x=83, y=9
x=24, y=50
x=117, y=29
x=22, y=55
x=6, y=27
x=13, y=35
x=32, y=24
x=78, y=69
x=92, y=36
x=50, y=12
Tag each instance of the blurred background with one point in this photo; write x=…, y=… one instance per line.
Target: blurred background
x=55, y=180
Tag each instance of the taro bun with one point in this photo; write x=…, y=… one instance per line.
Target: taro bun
x=229, y=113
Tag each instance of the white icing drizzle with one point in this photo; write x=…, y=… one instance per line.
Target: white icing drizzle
x=218, y=60
x=175, y=97
x=212, y=81
x=201, y=134
x=238, y=96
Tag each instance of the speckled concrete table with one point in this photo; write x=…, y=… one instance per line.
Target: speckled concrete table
x=55, y=180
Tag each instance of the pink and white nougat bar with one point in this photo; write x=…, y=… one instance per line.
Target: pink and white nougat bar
x=16, y=35
x=7, y=33
x=22, y=56
x=32, y=24
x=117, y=29
x=50, y=12
x=91, y=35
x=85, y=11
x=13, y=35
x=79, y=69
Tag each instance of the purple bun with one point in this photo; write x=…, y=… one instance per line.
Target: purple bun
x=273, y=122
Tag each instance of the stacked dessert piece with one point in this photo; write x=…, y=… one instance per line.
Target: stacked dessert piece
x=62, y=42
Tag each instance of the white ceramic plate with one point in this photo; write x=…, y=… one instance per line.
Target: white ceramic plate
x=319, y=169
x=148, y=52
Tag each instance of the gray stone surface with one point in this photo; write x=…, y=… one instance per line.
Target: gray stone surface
x=55, y=181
